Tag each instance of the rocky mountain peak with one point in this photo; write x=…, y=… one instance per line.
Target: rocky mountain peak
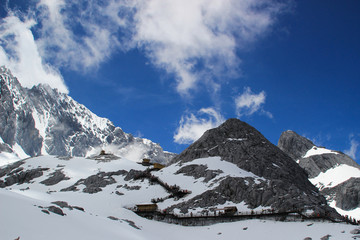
x=239, y=143
x=41, y=121
x=284, y=184
x=294, y=145
x=312, y=158
x=335, y=174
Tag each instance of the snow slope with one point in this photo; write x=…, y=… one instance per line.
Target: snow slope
x=318, y=151
x=25, y=208
x=335, y=176
x=22, y=217
x=334, y=173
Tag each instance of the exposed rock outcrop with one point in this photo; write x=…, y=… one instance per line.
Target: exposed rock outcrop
x=294, y=145
x=319, y=160
x=284, y=187
x=346, y=194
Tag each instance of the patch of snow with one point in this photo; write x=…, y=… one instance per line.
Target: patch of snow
x=41, y=123
x=228, y=168
x=335, y=176
x=19, y=151
x=7, y=158
x=355, y=213
x=198, y=186
x=318, y=151
x=275, y=165
x=212, y=148
x=237, y=139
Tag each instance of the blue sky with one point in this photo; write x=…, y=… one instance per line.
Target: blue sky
x=168, y=70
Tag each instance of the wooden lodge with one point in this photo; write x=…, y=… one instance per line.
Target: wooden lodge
x=228, y=211
x=148, y=207
x=146, y=162
x=158, y=166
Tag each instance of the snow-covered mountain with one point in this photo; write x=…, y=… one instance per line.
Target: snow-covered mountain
x=272, y=178
x=42, y=121
x=334, y=173
x=231, y=166
x=50, y=197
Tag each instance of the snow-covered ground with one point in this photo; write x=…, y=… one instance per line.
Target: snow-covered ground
x=22, y=217
x=23, y=207
x=7, y=158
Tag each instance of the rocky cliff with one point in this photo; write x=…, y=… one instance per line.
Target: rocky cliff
x=279, y=183
x=42, y=120
x=333, y=172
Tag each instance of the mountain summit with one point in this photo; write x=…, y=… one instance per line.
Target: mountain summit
x=278, y=182
x=335, y=174
x=41, y=121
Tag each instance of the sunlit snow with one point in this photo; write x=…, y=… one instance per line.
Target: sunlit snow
x=335, y=176
x=318, y=151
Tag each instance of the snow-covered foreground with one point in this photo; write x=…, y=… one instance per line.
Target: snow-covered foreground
x=25, y=208
x=22, y=217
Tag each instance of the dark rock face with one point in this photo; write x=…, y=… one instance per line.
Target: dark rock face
x=198, y=171
x=239, y=143
x=55, y=178
x=5, y=148
x=20, y=176
x=9, y=168
x=346, y=194
x=56, y=210
x=285, y=187
x=294, y=145
x=316, y=164
x=95, y=183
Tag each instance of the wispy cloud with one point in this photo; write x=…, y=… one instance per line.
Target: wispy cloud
x=249, y=103
x=19, y=51
x=195, y=41
x=192, y=38
x=192, y=126
x=79, y=34
x=352, y=151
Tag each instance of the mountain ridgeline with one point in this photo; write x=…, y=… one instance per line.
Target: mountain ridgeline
x=231, y=164
x=336, y=175
x=283, y=185
x=42, y=120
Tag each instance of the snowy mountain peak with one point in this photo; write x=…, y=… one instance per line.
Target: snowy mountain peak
x=42, y=120
x=334, y=173
x=276, y=181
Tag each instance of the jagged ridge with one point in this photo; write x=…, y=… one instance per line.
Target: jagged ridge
x=42, y=120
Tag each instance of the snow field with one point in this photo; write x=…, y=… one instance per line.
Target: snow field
x=21, y=217
x=335, y=176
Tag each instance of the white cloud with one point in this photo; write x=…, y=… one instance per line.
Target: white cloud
x=19, y=52
x=196, y=41
x=79, y=35
x=352, y=151
x=192, y=37
x=248, y=103
x=192, y=127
